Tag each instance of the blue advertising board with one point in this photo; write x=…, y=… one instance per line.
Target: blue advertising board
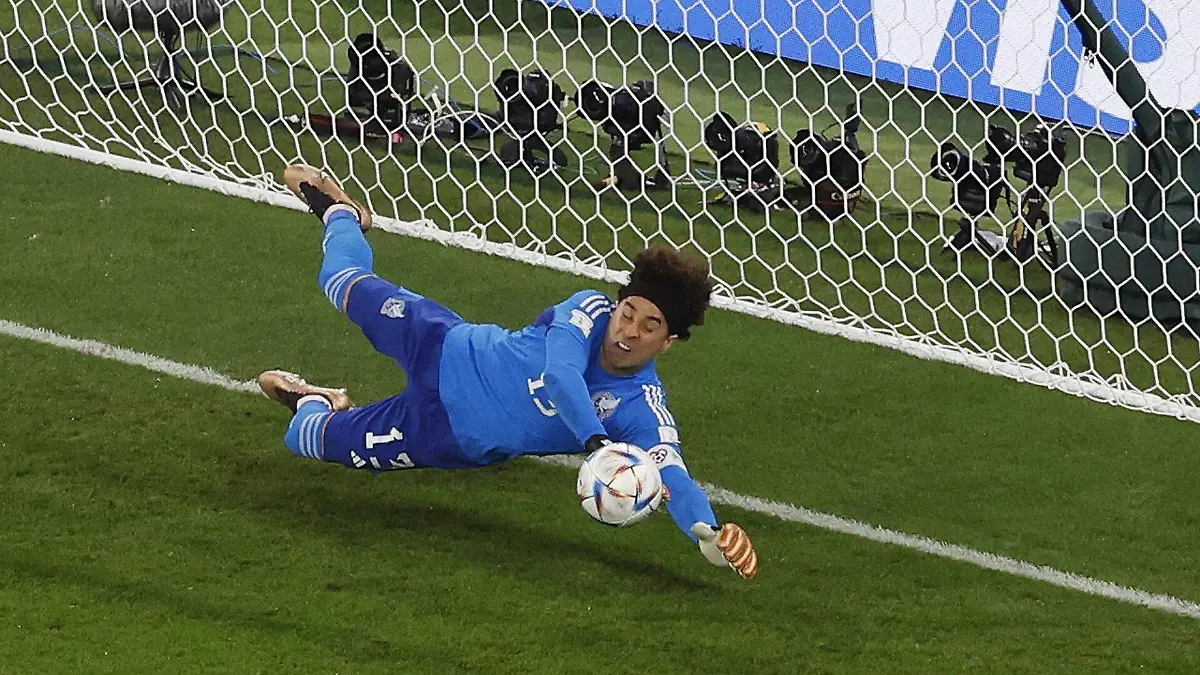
x=1021, y=54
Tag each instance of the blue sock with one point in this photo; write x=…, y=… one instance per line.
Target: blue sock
x=305, y=433
x=348, y=256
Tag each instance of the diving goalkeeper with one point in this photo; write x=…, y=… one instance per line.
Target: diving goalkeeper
x=580, y=377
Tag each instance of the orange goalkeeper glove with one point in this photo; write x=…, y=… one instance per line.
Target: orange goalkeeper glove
x=728, y=545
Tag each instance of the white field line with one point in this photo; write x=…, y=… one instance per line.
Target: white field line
x=718, y=495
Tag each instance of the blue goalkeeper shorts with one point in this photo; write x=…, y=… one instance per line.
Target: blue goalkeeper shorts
x=409, y=430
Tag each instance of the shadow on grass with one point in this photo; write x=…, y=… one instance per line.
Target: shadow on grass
x=328, y=504
x=329, y=501
x=160, y=594
x=492, y=541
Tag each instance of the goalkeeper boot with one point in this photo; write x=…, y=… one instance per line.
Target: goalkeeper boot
x=320, y=191
x=288, y=388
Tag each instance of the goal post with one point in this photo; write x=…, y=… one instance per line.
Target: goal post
x=870, y=170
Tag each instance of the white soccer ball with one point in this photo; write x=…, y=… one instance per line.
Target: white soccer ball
x=619, y=485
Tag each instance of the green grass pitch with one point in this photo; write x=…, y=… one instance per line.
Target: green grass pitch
x=153, y=524
x=156, y=525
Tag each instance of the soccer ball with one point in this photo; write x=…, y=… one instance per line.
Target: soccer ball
x=619, y=485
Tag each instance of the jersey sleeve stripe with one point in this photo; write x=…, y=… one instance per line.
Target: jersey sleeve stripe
x=650, y=402
x=302, y=441
x=591, y=302
x=306, y=435
x=337, y=289
x=656, y=399
x=662, y=403
x=311, y=433
x=649, y=392
x=318, y=433
x=336, y=280
x=319, y=447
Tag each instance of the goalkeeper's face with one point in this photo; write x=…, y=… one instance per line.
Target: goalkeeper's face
x=636, y=334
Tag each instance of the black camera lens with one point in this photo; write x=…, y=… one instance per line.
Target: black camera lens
x=593, y=100
x=804, y=148
x=718, y=135
x=951, y=161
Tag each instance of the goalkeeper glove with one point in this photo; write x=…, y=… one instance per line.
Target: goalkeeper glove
x=728, y=545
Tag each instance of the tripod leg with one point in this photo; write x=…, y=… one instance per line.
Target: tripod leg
x=145, y=82
x=152, y=81
x=963, y=238
x=190, y=84
x=174, y=96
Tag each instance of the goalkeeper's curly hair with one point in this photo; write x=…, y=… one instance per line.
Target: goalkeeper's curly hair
x=683, y=283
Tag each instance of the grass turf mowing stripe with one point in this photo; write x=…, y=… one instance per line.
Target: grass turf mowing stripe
x=718, y=495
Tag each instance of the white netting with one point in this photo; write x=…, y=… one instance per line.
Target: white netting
x=1106, y=316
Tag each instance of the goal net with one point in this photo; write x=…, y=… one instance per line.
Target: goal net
x=957, y=179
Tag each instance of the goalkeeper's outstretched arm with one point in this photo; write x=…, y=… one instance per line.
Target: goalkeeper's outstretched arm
x=688, y=503
x=689, y=506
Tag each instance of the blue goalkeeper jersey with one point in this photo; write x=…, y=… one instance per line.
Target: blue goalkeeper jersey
x=541, y=390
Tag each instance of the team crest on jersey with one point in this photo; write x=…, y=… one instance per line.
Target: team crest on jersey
x=606, y=404
x=393, y=308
